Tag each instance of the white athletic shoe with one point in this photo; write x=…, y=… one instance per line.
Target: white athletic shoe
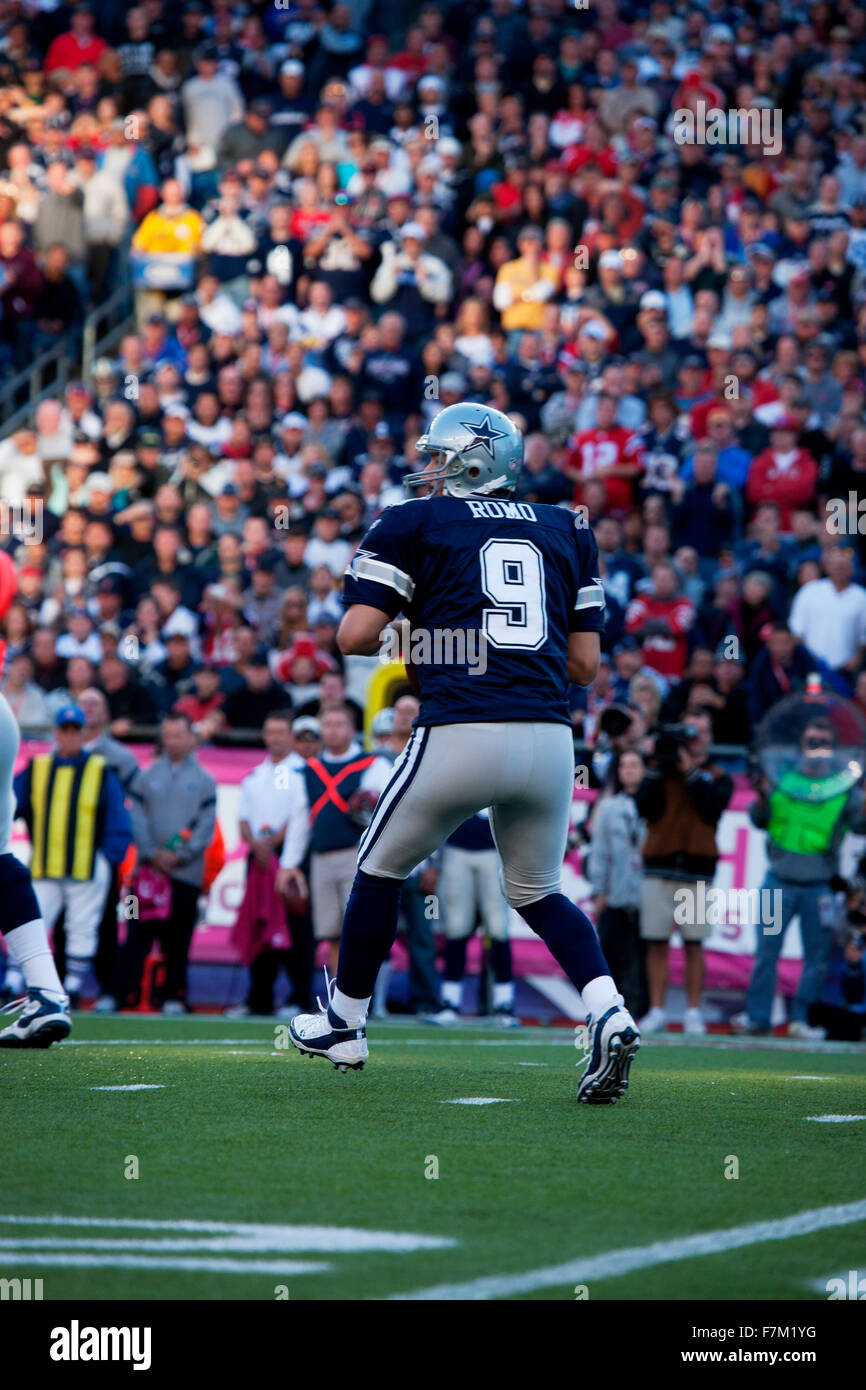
x=327, y=1035
x=613, y=1041
x=105, y=1004
x=446, y=1017
x=505, y=1017
x=655, y=1021
x=237, y=1011
x=173, y=1008
x=805, y=1032
x=42, y=1021
x=693, y=1023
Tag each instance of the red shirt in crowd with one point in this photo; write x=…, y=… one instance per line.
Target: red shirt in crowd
x=593, y=453
x=67, y=51
x=666, y=654
x=789, y=480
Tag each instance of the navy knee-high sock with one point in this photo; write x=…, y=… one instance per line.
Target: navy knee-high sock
x=500, y=960
x=369, y=929
x=455, y=959
x=569, y=936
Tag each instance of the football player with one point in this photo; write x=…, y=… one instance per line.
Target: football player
x=519, y=581
x=43, y=1016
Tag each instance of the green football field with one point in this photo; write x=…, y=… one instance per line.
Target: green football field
x=247, y=1171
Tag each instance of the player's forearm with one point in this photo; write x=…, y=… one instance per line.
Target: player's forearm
x=360, y=631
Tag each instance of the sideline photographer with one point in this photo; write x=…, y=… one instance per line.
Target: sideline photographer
x=806, y=816
x=681, y=798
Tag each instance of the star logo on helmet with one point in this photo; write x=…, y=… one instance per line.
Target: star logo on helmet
x=485, y=434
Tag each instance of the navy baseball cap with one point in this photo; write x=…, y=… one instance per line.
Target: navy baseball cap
x=69, y=714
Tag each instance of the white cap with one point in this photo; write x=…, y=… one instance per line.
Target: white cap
x=610, y=260
x=293, y=421
x=594, y=329
x=654, y=299
x=413, y=230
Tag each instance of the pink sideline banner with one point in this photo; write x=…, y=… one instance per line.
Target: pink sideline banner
x=730, y=947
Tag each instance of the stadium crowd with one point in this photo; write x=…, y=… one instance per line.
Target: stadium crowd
x=487, y=202
x=342, y=219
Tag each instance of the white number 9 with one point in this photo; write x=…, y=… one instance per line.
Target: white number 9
x=512, y=575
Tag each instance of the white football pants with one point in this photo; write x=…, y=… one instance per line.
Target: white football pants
x=469, y=884
x=84, y=903
x=524, y=772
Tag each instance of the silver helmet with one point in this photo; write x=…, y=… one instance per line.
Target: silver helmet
x=479, y=450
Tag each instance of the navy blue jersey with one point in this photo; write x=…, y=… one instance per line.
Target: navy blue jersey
x=497, y=583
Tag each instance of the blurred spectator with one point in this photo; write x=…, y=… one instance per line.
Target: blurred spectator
x=681, y=798
x=173, y=817
x=324, y=823
x=79, y=831
x=829, y=614
x=614, y=868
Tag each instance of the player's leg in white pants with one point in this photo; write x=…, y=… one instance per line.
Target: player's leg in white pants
x=85, y=904
x=21, y=920
x=459, y=894
x=494, y=919
x=525, y=773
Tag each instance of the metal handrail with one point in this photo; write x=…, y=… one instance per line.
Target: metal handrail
x=30, y=383
x=120, y=306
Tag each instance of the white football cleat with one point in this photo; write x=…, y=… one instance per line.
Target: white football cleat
x=798, y=1028
x=327, y=1035
x=613, y=1041
x=43, y=1020
x=505, y=1017
x=693, y=1023
x=655, y=1021
x=446, y=1017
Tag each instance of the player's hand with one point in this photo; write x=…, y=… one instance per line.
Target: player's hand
x=427, y=880
x=599, y=904
x=292, y=878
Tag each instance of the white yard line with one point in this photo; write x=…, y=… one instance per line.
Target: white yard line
x=478, y=1100
x=253, y=1236
x=618, y=1262
x=470, y=1038
x=141, y=1086
x=182, y=1263
x=834, y=1119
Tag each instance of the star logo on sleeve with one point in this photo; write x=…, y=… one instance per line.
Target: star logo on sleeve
x=484, y=434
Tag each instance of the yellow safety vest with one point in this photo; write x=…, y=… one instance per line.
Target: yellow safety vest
x=64, y=801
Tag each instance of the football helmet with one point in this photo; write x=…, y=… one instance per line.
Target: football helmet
x=479, y=451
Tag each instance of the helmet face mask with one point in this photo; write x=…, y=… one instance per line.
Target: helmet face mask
x=470, y=449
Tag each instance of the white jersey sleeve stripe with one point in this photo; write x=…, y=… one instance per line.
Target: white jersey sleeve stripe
x=366, y=567
x=592, y=596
